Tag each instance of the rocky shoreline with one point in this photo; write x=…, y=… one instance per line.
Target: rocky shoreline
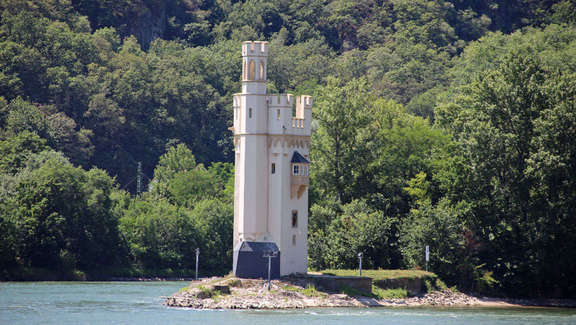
x=232, y=293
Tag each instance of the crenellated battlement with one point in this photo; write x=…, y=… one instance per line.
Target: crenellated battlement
x=305, y=101
x=255, y=48
x=302, y=103
x=281, y=100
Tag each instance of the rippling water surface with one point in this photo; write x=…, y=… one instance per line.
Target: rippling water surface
x=141, y=303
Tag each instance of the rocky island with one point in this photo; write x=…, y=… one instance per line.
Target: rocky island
x=289, y=293
x=298, y=292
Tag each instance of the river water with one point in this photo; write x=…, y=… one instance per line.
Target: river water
x=141, y=303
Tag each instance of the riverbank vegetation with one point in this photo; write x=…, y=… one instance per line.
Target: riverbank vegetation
x=436, y=122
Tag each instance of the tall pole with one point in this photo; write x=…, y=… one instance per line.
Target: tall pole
x=360, y=258
x=270, y=255
x=269, y=267
x=427, y=256
x=197, y=254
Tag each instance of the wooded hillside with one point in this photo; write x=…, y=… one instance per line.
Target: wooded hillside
x=447, y=123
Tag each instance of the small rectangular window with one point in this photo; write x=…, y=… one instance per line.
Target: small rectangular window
x=294, y=218
x=296, y=169
x=277, y=114
x=250, y=113
x=273, y=168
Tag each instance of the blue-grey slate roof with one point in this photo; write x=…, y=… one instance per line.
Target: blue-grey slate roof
x=298, y=158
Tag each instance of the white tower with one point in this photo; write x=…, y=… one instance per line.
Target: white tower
x=271, y=171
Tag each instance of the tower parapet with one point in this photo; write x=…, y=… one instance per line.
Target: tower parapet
x=255, y=48
x=279, y=113
x=301, y=122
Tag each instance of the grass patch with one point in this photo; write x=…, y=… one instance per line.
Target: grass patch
x=380, y=293
x=382, y=274
x=234, y=283
x=377, y=293
x=309, y=291
x=205, y=290
x=390, y=284
x=355, y=293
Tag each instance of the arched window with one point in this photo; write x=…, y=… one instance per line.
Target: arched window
x=252, y=71
x=262, y=71
x=245, y=71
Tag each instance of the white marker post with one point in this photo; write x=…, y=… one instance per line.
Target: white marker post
x=197, y=254
x=427, y=256
x=360, y=258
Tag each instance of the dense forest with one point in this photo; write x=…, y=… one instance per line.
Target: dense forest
x=448, y=123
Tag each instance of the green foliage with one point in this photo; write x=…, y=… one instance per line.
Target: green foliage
x=159, y=234
x=517, y=200
x=337, y=141
x=380, y=293
x=487, y=285
x=358, y=228
x=62, y=215
x=16, y=150
x=443, y=228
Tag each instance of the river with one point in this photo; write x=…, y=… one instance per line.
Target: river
x=141, y=303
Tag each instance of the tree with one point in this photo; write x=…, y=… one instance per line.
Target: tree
x=358, y=228
x=444, y=228
x=214, y=220
x=16, y=150
x=336, y=143
x=505, y=123
x=159, y=235
x=63, y=215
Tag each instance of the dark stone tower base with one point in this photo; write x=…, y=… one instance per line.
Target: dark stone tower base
x=249, y=260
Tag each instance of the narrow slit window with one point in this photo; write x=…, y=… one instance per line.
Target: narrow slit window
x=250, y=112
x=273, y=168
x=293, y=240
x=294, y=218
x=278, y=114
